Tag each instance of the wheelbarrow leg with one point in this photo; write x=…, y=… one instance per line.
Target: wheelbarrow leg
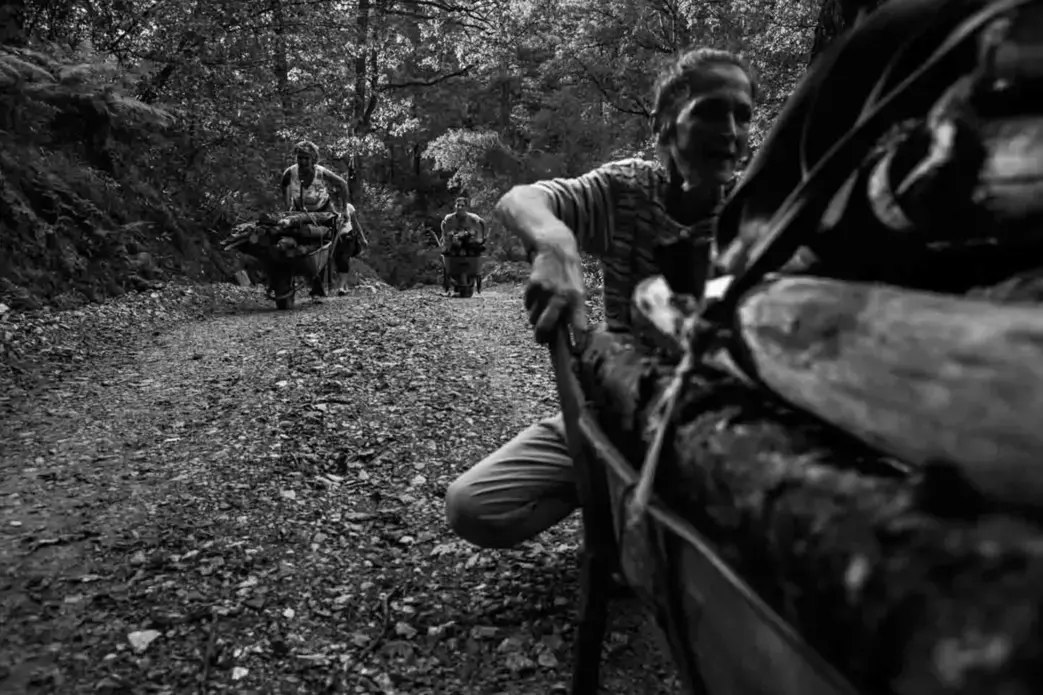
x=595, y=587
x=599, y=550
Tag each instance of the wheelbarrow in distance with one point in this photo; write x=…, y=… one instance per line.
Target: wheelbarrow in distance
x=293, y=248
x=462, y=267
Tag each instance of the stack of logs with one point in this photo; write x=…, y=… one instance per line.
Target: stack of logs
x=290, y=235
x=465, y=245
x=877, y=488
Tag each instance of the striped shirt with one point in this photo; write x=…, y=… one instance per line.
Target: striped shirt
x=618, y=214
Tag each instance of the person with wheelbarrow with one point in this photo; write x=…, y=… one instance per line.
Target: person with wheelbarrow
x=307, y=186
x=458, y=238
x=637, y=216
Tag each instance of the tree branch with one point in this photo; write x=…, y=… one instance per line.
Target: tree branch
x=427, y=83
x=612, y=100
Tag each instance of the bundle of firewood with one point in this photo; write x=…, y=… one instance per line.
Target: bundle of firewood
x=849, y=479
x=465, y=245
x=290, y=234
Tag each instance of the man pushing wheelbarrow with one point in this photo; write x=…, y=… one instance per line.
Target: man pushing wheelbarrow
x=786, y=547
x=462, y=251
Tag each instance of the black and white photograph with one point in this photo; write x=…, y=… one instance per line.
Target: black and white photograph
x=521, y=347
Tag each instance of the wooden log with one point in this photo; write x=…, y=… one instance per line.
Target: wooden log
x=907, y=585
x=925, y=377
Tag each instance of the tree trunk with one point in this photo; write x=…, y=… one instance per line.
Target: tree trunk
x=12, y=23
x=358, y=116
x=907, y=585
x=280, y=62
x=188, y=45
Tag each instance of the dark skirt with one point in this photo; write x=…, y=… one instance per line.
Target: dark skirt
x=348, y=246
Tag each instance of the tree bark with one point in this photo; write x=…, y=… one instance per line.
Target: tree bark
x=280, y=62
x=360, y=119
x=924, y=377
x=906, y=584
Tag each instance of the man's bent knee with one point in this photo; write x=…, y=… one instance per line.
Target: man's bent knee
x=465, y=515
x=523, y=488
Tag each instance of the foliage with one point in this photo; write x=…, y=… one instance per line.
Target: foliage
x=413, y=102
x=79, y=207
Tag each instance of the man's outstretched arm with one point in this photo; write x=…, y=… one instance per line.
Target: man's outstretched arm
x=567, y=214
x=528, y=213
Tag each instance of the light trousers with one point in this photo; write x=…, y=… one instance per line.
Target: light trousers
x=523, y=488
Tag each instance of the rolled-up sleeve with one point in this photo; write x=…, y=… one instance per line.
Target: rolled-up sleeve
x=586, y=205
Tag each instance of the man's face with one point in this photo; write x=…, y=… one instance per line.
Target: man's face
x=712, y=128
x=461, y=205
x=305, y=162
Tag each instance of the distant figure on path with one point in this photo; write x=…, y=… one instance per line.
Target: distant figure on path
x=306, y=186
x=458, y=232
x=634, y=214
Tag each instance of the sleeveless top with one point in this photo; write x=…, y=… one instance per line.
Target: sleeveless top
x=470, y=223
x=316, y=196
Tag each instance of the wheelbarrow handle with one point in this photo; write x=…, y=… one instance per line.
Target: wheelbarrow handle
x=599, y=557
x=570, y=395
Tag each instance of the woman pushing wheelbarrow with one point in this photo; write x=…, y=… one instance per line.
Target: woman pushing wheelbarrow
x=309, y=187
x=314, y=239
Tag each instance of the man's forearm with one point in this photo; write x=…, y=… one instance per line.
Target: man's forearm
x=526, y=212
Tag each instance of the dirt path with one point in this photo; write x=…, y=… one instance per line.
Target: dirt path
x=260, y=495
